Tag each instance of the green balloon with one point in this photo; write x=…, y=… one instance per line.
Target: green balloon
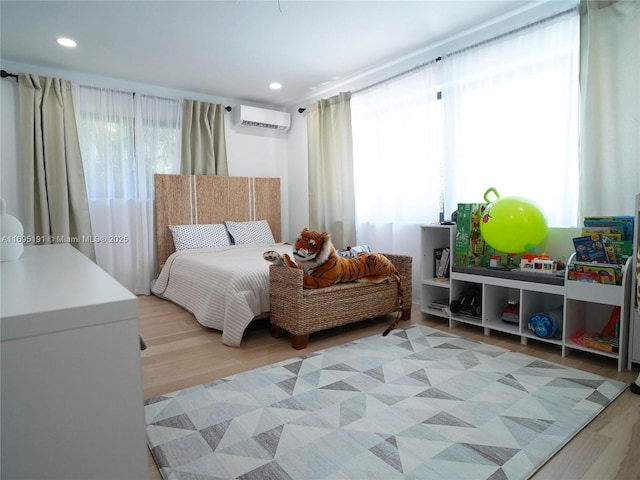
x=512, y=224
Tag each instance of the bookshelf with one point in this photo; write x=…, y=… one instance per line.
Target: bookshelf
x=434, y=292
x=588, y=306
x=584, y=306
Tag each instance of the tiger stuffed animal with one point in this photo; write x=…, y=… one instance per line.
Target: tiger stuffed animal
x=323, y=267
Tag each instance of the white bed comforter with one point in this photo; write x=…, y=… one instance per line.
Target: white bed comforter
x=224, y=287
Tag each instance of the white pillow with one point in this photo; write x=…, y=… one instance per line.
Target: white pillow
x=257, y=231
x=199, y=236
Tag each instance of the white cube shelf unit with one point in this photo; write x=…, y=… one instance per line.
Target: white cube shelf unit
x=588, y=307
x=532, y=296
x=433, y=289
x=584, y=306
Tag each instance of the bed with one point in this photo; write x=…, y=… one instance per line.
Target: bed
x=224, y=286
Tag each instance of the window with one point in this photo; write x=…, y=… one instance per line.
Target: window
x=511, y=119
x=125, y=139
x=507, y=119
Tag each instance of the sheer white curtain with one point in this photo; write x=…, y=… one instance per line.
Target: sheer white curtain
x=511, y=119
x=507, y=119
x=610, y=116
x=397, y=151
x=125, y=139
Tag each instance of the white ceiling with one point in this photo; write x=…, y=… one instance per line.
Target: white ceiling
x=234, y=49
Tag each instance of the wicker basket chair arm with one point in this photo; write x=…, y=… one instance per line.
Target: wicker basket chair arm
x=403, y=264
x=285, y=281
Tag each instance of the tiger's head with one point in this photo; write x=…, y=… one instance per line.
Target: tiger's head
x=312, y=248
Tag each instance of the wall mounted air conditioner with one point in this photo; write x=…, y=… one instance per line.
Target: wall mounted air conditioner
x=261, y=117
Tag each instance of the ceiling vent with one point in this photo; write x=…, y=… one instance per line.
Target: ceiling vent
x=261, y=117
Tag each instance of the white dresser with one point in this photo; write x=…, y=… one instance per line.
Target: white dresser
x=72, y=400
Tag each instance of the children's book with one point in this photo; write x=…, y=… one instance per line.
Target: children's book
x=437, y=258
x=595, y=273
x=604, y=231
x=622, y=224
x=606, y=343
x=443, y=268
x=622, y=250
x=591, y=248
x=587, y=277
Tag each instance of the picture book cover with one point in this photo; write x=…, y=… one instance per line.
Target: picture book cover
x=591, y=248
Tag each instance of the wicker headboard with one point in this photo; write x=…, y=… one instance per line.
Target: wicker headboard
x=190, y=199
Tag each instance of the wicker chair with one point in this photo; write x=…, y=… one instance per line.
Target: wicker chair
x=301, y=311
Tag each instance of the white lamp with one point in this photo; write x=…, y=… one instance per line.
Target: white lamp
x=11, y=235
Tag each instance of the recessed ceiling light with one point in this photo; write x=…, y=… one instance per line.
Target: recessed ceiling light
x=275, y=86
x=66, y=42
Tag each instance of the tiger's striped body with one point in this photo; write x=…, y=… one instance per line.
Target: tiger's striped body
x=322, y=266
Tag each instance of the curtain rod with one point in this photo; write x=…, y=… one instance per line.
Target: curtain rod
x=470, y=47
x=5, y=74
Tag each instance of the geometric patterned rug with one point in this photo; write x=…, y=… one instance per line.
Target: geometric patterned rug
x=419, y=403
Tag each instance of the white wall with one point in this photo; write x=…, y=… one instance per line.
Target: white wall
x=251, y=151
x=297, y=173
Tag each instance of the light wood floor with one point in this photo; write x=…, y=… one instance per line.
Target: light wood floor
x=181, y=353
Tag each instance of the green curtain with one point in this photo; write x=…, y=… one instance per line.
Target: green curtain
x=330, y=149
x=56, y=209
x=204, y=149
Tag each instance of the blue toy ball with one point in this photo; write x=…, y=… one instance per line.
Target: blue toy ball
x=544, y=325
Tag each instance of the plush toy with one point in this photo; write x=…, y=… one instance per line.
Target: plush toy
x=323, y=267
x=546, y=324
x=352, y=252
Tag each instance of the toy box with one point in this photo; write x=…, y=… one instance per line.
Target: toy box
x=471, y=249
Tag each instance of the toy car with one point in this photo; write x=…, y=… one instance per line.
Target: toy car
x=511, y=313
x=469, y=302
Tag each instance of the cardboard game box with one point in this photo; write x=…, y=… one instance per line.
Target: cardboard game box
x=470, y=247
